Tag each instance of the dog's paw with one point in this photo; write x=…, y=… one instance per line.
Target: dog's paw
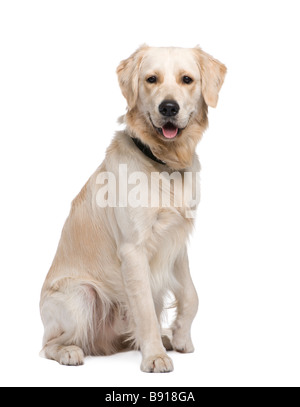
x=71, y=356
x=182, y=344
x=157, y=364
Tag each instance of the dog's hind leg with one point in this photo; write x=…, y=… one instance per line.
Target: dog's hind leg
x=71, y=313
x=70, y=355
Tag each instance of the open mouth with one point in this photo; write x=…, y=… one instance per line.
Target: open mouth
x=169, y=130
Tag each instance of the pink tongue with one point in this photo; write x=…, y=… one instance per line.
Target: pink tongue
x=170, y=132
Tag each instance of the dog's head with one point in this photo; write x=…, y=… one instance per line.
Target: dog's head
x=167, y=92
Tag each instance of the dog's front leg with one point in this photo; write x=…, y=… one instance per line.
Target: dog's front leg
x=136, y=277
x=187, y=305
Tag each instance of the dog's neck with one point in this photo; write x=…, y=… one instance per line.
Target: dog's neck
x=146, y=150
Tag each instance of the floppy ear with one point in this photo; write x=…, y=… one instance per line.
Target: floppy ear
x=212, y=76
x=128, y=75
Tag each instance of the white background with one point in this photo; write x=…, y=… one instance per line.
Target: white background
x=59, y=101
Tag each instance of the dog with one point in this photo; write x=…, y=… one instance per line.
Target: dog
x=118, y=258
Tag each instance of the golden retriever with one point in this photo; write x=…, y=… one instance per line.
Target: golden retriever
x=120, y=253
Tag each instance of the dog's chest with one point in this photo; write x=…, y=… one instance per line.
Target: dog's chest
x=164, y=242
x=172, y=216
x=168, y=235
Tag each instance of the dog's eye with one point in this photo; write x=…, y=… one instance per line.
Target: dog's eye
x=187, y=80
x=152, y=79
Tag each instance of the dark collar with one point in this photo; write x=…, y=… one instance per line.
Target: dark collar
x=146, y=150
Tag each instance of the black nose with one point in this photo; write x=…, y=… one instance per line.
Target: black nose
x=169, y=108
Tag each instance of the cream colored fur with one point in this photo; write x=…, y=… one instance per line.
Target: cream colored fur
x=106, y=287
